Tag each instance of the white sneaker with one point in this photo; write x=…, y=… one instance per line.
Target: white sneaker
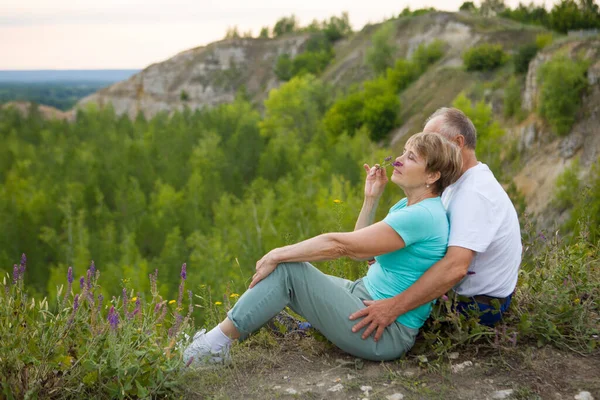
x=199, y=352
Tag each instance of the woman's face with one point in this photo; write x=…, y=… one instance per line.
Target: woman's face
x=409, y=170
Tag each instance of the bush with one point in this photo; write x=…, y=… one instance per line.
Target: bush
x=562, y=82
x=485, y=57
x=283, y=68
x=82, y=346
x=425, y=55
x=524, y=55
x=543, y=39
x=380, y=55
x=512, y=98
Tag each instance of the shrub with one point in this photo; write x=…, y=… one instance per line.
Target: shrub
x=87, y=346
x=543, y=39
x=285, y=25
x=184, y=96
x=380, y=55
x=524, y=55
x=512, y=98
x=283, y=67
x=562, y=82
x=425, y=55
x=485, y=57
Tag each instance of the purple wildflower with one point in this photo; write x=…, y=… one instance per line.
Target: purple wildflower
x=81, y=282
x=183, y=271
x=157, y=307
x=138, y=304
x=93, y=269
x=163, y=314
x=23, y=265
x=76, y=303
x=70, y=276
x=175, y=328
x=100, y=298
x=542, y=236
x=388, y=158
x=444, y=297
x=113, y=318
x=187, y=364
x=15, y=274
x=191, y=305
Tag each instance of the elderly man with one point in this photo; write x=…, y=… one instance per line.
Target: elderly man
x=484, y=249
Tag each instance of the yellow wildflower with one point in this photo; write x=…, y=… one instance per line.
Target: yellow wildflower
x=577, y=300
x=337, y=201
x=172, y=302
x=158, y=324
x=133, y=299
x=234, y=295
x=218, y=303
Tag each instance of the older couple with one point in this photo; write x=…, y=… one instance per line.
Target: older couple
x=455, y=219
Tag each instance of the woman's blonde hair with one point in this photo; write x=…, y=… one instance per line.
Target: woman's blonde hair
x=441, y=155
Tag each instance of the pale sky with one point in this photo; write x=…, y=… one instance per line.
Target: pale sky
x=131, y=34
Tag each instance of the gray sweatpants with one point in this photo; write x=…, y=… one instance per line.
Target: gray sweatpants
x=326, y=302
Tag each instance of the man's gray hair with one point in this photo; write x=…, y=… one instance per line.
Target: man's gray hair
x=455, y=123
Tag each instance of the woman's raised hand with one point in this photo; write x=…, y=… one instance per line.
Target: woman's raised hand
x=375, y=182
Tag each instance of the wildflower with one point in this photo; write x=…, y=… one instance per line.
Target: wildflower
x=23, y=265
x=183, y=271
x=234, y=295
x=70, y=276
x=81, y=282
x=76, y=303
x=337, y=201
x=138, y=305
x=100, y=298
x=158, y=324
x=444, y=297
x=218, y=303
x=93, y=269
x=124, y=295
x=577, y=300
x=157, y=307
x=386, y=163
x=15, y=274
x=113, y=318
x=172, y=301
x=133, y=299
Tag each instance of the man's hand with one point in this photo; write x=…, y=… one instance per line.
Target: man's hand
x=378, y=315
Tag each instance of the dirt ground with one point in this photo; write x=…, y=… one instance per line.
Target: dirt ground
x=274, y=368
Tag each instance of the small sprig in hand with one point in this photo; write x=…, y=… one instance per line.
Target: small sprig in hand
x=387, y=163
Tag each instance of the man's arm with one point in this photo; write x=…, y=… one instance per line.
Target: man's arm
x=436, y=281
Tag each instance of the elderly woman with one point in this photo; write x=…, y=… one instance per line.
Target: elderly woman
x=411, y=238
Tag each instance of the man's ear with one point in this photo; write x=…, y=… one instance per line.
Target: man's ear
x=460, y=141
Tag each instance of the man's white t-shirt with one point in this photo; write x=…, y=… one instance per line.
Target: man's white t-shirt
x=483, y=219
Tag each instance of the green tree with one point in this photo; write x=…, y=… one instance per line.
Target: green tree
x=283, y=67
x=468, y=6
x=285, y=25
x=380, y=55
x=562, y=82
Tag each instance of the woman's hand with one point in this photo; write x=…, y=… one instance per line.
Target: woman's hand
x=375, y=182
x=264, y=267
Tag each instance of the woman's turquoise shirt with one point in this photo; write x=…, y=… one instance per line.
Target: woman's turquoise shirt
x=424, y=227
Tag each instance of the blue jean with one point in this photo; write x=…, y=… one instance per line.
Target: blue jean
x=489, y=315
